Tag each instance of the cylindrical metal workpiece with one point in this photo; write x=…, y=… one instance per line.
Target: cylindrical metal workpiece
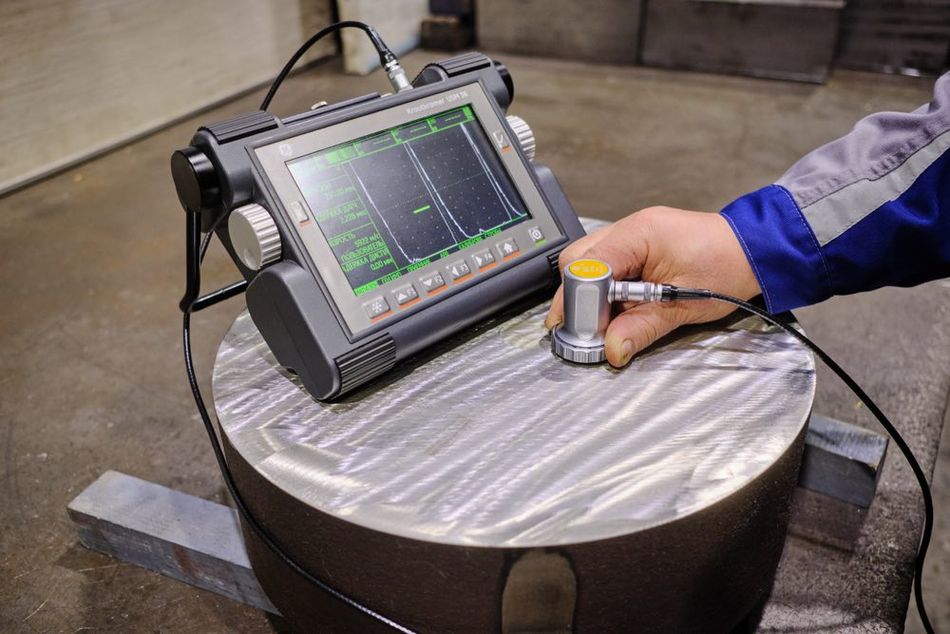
x=580, y=337
x=490, y=488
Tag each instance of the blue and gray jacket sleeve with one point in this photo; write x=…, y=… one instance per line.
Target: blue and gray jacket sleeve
x=870, y=209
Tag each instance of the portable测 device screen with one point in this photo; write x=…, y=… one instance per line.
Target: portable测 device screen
x=394, y=201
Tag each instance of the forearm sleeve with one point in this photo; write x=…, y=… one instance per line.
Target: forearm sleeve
x=870, y=209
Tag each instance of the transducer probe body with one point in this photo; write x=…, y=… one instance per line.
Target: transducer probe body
x=589, y=292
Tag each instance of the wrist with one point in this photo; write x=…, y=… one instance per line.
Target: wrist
x=778, y=244
x=743, y=282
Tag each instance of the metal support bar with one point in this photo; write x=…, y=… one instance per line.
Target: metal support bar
x=178, y=535
x=199, y=542
x=841, y=466
x=842, y=460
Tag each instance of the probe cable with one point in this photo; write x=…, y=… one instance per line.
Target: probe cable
x=671, y=293
x=229, y=482
x=386, y=57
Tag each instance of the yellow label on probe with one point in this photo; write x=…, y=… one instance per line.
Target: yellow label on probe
x=588, y=269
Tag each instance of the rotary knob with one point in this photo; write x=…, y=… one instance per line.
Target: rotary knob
x=525, y=136
x=254, y=236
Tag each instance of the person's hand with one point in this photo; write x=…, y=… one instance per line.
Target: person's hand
x=669, y=246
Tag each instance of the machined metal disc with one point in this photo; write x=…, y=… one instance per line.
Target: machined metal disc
x=667, y=477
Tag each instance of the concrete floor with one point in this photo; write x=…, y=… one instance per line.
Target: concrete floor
x=91, y=375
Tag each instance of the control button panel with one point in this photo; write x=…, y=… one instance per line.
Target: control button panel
x=297, y=212
x=508, y=248
x=483, y=259
x=405, y=294
x=456, y=270
x=536, y=234
x=501, y=140
x=432, y=283
x=459, y=269
x=376, y=307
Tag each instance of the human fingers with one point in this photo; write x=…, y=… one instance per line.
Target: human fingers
x=637, y=328
x=556, y=313
x=627, y=246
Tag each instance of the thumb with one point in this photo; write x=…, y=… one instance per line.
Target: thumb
x=635, y=329
x=556, y=313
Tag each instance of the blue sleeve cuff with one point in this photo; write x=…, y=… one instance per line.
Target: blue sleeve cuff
x=781, y=248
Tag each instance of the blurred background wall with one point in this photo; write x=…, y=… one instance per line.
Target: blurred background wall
x=80, y=76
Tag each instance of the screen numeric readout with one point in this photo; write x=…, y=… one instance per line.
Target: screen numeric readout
x=395, y=201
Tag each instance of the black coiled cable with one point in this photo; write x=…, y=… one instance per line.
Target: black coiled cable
x=693, y=293
x=385, y=54
x=242, y=507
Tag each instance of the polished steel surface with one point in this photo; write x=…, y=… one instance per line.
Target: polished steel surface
x=495, y=442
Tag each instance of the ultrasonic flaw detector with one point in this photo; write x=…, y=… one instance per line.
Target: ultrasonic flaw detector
x=372, y=228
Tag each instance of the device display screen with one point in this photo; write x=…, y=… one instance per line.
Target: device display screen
x=397, y=200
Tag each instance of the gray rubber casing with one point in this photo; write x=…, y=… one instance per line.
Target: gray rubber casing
x=289, y=302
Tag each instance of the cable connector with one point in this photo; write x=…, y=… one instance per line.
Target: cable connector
x=672, y=293
x=387, y=59
x=397, y=76
x=625, y=291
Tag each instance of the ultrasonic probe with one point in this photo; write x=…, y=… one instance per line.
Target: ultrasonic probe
x=589, y=291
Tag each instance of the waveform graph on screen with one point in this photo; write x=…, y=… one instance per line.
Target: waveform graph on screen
x=402, y=205
x=399, y=199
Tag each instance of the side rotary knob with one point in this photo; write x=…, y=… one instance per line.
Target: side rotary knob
x=254, y=236
x=525, y=136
